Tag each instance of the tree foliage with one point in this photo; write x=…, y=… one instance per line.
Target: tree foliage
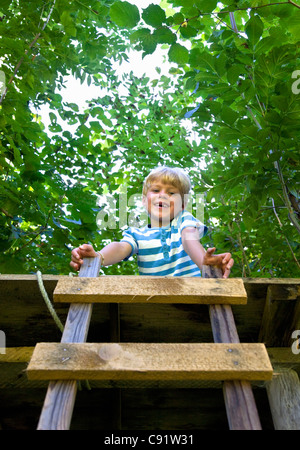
x=229, y=112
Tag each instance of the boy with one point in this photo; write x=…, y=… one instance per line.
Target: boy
x=170, y=244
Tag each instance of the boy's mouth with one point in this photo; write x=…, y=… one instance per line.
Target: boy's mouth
x=161, y=205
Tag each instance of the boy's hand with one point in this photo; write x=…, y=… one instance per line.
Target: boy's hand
x=84, y=251
x=223, y=261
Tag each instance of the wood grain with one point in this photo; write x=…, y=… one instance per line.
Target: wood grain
x=239, y=400
x=60, y=398
x=284, y=399
x=136, y=289
x=138, y=361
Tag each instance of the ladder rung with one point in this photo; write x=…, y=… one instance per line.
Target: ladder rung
x=136, y=289
x=139, y=361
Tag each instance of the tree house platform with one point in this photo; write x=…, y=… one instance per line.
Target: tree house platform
x=270, y=316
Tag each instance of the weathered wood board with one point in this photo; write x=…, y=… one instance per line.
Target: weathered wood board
x=139, y=361
x=136, y=289
x=26, y=320
x=60, y=398
x=284, y=398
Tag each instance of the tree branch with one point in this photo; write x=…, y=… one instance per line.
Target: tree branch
x=287, y=202
x=26, y=52
x=294, y=4
x=287, y=241
x=286, y=199
x=6, y=213
x=244, y=9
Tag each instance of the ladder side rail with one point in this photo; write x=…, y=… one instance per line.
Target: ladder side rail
x=239, y=400
x=60, y=398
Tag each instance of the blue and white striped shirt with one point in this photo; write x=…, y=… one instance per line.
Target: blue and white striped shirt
x=160, y=251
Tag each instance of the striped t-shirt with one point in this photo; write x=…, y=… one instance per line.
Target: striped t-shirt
x=160, y=251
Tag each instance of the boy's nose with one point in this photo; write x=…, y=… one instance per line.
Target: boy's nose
x=162, y=194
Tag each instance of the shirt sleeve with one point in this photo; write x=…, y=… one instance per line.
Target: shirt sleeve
x=188, y=220
x=128, y=236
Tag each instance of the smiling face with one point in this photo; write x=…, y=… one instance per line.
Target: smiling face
x=163, y=202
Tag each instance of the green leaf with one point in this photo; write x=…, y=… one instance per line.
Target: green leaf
x=234, y=72
x=146, y=39
x=214, y=107
x=11, y=44
x=194, y=57
x=68, y=23
x=206, y=5
x=254, y=29
x=273, y=118
x=188, y=31
x=5, y=5
x=220, y=62
x=206, y=179
x=267, y=44
x=17, y=154
x=73, y=106
x=178, y=54
x=124, y=14
x=96, y=126
x=164, y=35
x=228, y=115
x=293, y=27
x=52, y=117
x=177, y=19
x=203, y=60
x=154, y=16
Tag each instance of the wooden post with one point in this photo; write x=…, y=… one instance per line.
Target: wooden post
x=114, y=317
x=240, y=404
x=284, y=399
x=60, y=398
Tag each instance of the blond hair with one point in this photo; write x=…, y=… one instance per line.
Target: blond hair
x=169, y=175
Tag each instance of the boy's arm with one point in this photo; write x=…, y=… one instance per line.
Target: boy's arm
x=191, y=243
x=111, y=254
x=115, y=252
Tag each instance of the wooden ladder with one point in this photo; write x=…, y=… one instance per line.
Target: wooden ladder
x=73, y=359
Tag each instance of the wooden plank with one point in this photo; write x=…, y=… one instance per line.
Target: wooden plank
x=240, y=405
x=16, y=354
x=58, y=405
x=16, y=278
x=14, y=363
x=136, y=361
x=279, y=356
x=284, y=399
x=223, y=324
x=239, y=400
x=136, y=289
x=23, y=305
x=60, y=398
